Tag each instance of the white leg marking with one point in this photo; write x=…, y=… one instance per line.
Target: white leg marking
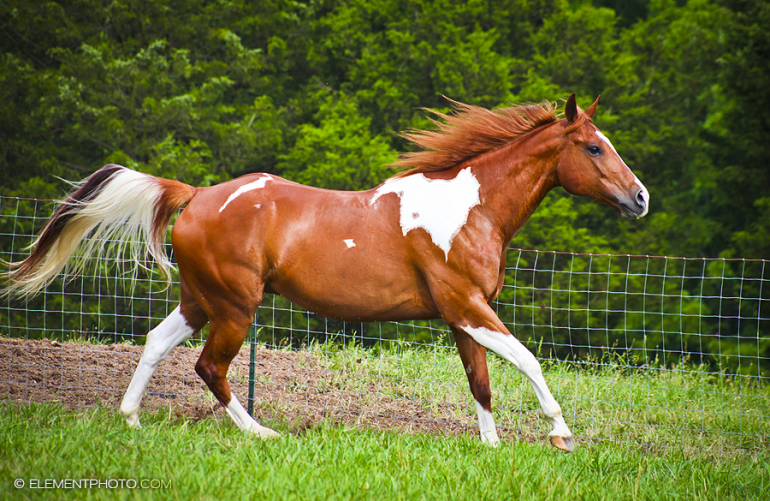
x=246, y=422
x=487, y=426
x=160, y=341
x=349, y=242
x=254, y=185
x=512, y=350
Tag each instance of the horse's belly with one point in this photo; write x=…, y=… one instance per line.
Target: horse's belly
x=354, y=295
x=358, y=311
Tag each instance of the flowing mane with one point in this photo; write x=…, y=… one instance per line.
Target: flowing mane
x=469, y=132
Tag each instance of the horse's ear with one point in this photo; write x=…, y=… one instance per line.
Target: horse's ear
x=592, y=109
x=570, y=109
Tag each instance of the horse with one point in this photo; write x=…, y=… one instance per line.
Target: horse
x=430, y=242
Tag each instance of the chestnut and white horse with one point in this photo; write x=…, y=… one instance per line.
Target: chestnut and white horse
x=429, y=242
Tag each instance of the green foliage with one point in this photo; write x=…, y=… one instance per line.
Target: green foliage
x=739, y=130
x=556, y=226
x=317, y=91
x=339, y=152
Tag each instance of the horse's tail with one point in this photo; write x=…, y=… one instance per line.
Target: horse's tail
x=114, y=202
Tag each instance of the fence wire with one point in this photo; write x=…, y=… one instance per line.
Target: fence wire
x=648, y=351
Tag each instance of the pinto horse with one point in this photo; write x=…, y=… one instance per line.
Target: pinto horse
x=429, y=242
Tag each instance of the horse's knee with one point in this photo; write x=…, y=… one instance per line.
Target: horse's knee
x=152, y=354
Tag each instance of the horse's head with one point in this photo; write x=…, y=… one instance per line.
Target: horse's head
x=590, y=166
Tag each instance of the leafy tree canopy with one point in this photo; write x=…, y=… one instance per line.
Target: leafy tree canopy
x=318, y=90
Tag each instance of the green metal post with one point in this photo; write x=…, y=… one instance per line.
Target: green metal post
x=252, y=361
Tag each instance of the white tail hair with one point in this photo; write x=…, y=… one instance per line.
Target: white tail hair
x=115, y=204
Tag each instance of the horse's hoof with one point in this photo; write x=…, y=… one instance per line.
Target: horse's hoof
x=132, y=420
x=263, y=432
x=491, y=439
x=566, y=444
x=271, y=435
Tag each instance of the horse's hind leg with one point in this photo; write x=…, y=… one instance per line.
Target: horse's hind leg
x=180, y=325
x=474, y=357
x=226, y=335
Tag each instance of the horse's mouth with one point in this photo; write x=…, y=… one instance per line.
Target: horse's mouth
x=636, y=206
x=632, y=212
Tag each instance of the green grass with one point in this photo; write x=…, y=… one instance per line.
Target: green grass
x=684, y=407
x=211, y=459
x=643, y=433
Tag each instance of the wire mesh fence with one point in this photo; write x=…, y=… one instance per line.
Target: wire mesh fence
x=654, y=352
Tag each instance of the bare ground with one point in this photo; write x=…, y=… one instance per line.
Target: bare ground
x=291, y=387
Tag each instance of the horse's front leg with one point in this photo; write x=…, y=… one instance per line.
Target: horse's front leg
x=474, y=357
x=479, y=322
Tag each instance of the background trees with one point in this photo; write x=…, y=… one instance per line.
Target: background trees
x=318, y=90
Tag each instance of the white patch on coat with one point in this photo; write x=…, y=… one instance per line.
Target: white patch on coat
x=349, y=242
x=439, y=206
x=254, y=185
x=258, y=206
x=487, y=427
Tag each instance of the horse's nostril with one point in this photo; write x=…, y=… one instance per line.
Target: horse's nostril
x=641, y=197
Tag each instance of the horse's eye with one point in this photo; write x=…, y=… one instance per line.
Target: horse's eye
x=594, y=151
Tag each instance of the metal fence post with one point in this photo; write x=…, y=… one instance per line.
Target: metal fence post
x=252, y=359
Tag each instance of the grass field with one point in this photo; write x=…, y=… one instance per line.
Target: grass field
x=684, y=407
x=179, y=458
x=643, y=433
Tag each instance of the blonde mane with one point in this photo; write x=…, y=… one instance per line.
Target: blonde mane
x=469, y=132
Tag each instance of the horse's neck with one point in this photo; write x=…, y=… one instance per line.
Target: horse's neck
x=514, y=181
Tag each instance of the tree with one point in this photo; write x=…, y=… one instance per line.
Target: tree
x=339, y=152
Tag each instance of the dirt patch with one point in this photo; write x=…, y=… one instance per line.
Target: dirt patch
x=292, y=387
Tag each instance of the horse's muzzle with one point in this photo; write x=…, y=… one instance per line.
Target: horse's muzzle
x=636, y=206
